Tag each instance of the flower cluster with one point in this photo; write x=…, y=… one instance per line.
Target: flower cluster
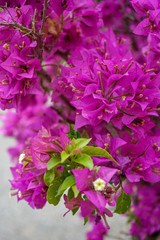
x=83, y=78
x=144, y=217
x=29, y=171
x=18, y=64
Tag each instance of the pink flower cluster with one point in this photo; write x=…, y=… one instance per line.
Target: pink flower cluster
x=84, y=80
x=144, y=217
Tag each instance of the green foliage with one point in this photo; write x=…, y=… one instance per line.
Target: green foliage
x=85, y=134
x=123, y=178
x=97, y=152
x=75, y=210
x=49, y=177
x=68, y=182
x=78, y=143
x=131, y=217
x=64, y=156
x=73, y=133
x=54, y=161
x=84, y=160
x=123, y=203
x=70, y=194
x=75, y=191
x=25, y=163
x=52, y=197
x=81, y=142
x=76, y=154
x=85, y=220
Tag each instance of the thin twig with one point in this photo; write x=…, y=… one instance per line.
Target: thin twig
x=65, y=119
x=15, y=25
x=43, y=17
x=9, y=13
x=26, y=34
x=44, y=75
x=34, y=21
x=27, y=31
x=41, y=32
x=66, y=101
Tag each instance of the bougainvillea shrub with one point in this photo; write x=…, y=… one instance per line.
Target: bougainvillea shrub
x=80, y=83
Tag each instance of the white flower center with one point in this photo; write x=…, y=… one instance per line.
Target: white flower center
x=21, y=157
x=99, y=184
x=19, y=194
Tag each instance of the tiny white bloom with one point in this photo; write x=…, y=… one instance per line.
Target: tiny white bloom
x=19, y=194
x=99, y=184
x=21, y=157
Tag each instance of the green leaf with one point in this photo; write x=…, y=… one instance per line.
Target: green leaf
x=54, y=161
x=68, y=182
x=74, y=210
x=52, y=191
x=123, y=203
x=75, y=191
x=97, y=152
x=73, y=133
x=130, y=217
x=123, y=178
x=81, y=142
x=85, y=220
x=49, y=177
x=70, y=194
x=84, y=160
x=25, y=163
x=64, y=156
x=93, y=213
x=85, y=134
x=85, y=198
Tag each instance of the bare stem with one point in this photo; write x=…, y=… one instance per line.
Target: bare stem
x=16, y=25
x=9, y=13
x=34, y=21
x=41, y=32
x=43, y=17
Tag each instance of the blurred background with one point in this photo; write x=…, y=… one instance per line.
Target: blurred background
x=19, y=221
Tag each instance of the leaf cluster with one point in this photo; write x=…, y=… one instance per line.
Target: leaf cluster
x=76, y=155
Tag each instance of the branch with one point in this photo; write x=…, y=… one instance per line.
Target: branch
x=31, y=33
x=65, y=119
x=66, y=101
x=43, y=17
x=9, y=13
x=34, y=21
x=44, y=75
x=21, y=28
x=16, y=25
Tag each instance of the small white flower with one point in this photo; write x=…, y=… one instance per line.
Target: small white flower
x=99, y=184
x=21, y=157
x=19, y=194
